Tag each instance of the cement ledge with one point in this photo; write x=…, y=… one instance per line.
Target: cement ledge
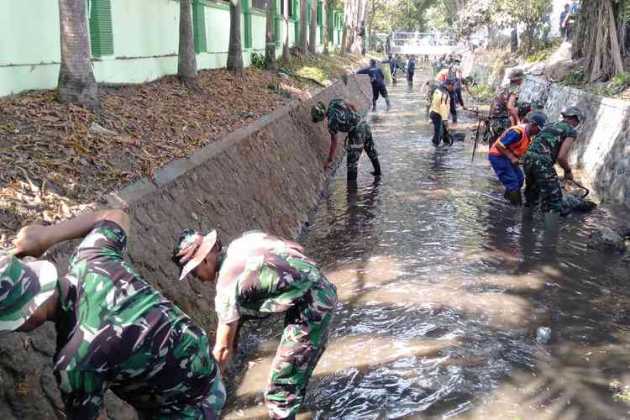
x=168, y=173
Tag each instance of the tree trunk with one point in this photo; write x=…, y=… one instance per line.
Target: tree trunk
x=361, y=15
x=312, y=38
x=597, y=40
x=76, y=78
x=235, y=49
x=303, y=34
x=285, y=47
x=270, y=44
x=514, y=40
x=187, y=60
x=346, y=37
x=325, y=25
x=370, y=33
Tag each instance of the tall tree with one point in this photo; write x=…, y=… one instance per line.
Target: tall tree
x=303, y=39
x=346, y=35
x=312, y=37
x=235, y=48
x=325, y=25
x=597, y=38
x=187, y=60
x=76, y=78
x=270, y=43
x=285, y=46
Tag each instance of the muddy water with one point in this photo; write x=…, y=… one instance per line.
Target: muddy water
x=442, y=287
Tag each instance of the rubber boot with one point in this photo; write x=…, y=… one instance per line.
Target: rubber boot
x=377, y=168
x=552, y=220
x=352, y=175
x=514, y=197
x=373, y=106
x=389, y=104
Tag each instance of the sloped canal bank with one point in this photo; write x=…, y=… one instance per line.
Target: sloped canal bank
x=442, y=287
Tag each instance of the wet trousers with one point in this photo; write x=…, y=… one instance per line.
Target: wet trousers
x=305, y=336
x=510, y=175
x=542, y=183
x=379, y=89
x=440, y=132
x=360, y=139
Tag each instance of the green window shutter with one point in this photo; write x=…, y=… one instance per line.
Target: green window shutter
x=101, y=35
x=199, y=26
x=276, y=19
x=320, y=21
x=247, y=15
x=331, y=25
x=319, y=12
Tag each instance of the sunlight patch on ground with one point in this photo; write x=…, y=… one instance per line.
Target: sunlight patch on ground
x=357, y=277
x=359, y=352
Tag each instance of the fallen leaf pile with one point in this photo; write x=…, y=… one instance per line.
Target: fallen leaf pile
x=57, y=159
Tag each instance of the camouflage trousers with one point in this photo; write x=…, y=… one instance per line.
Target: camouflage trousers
x=542, y=183
x=497, y=127
x=360, y=139
x=306, y=330
x=207, y=409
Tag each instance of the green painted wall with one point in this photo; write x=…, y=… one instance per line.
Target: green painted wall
x=145, y=38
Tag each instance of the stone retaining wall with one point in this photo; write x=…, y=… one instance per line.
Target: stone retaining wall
x=265, y=176
x=602, y=149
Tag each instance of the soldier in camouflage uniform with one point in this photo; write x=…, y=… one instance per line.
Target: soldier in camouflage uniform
x=114, y=330
x=551, y=145
x=343, y=117
x=262, y=273
x=504, y=112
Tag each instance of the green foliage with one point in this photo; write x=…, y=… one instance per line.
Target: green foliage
x=403, y=15
x=258, y=61
x=575, y=78
x=620, y=82
x=544, y=53
x=614, y=87
x=483, y=93
x=506, y=14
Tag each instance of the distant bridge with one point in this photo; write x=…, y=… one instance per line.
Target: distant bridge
x=421, y=43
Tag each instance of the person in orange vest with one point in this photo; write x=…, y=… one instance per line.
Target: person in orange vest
x=506, y=152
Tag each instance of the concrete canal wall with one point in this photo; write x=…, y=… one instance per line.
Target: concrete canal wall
x=602, y=149
x=265, y=176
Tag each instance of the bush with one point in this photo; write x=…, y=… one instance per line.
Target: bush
x=482, y=92
x=620, y=82
x=258, y=61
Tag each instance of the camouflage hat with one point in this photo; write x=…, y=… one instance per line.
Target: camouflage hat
x=24, y=287
x=318, y=112
x=573, y=111
x=191, y=249
x=517, y=74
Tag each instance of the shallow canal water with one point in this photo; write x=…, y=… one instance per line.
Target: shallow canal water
x=442, y=287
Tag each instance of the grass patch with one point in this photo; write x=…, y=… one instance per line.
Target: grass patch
x=544, y=53
x=613, y=88
x=482, y=92
x=323, y=68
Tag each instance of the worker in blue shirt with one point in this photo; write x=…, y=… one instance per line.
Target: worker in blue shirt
x=377, y=79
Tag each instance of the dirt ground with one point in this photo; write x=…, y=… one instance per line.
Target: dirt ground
x=57, y=159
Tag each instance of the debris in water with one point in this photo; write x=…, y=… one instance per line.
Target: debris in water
x=543, y=335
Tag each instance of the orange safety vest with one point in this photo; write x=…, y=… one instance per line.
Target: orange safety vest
x=519, y=148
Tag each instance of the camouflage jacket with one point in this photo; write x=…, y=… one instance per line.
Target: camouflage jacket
x=262, y=273
x=115, y=330
x=547, y=143
x=499, y=107
x=341, y=117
